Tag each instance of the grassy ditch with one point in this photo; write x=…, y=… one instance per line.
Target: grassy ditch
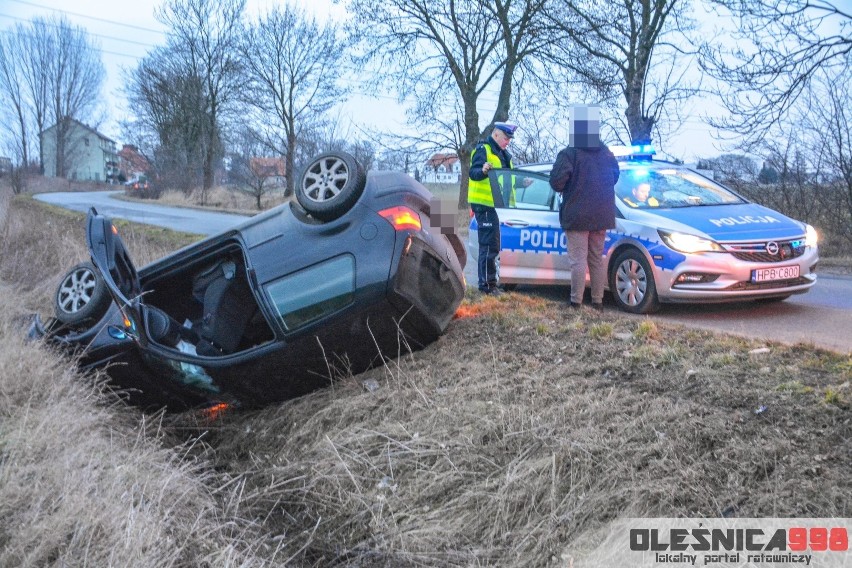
x=522, y=430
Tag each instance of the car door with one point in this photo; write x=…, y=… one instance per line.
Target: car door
x=533, y=245
x=112, y=260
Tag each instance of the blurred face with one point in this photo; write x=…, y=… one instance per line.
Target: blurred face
x=500, y=137
x=584, y=126
x=641, y=191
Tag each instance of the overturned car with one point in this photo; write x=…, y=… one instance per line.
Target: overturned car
x=349, y=275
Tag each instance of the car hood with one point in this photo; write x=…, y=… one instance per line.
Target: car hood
x=722, y=223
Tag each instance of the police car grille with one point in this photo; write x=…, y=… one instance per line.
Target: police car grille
x=756, y=252
x=774, y=285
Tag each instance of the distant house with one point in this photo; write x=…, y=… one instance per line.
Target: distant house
x=271, y=170
x=5, y=165
x=132, y=163
x=441, y=168
x=75, y=151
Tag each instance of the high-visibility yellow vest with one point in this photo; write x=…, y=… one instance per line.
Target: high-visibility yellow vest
x=650, y=202
x=479, y=192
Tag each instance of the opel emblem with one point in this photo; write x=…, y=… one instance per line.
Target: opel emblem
x=772, y=247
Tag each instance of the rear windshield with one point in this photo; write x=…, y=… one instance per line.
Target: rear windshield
x=647, y=186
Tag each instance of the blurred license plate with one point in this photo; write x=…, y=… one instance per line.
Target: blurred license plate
x=777, y=273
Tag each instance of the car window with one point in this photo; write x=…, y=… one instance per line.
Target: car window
x=314, y=292
x=641, y=186
x=529, y=191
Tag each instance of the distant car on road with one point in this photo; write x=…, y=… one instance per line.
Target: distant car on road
x=679, y=237
x=137, y=183
x=141, y=187
x=341, y=280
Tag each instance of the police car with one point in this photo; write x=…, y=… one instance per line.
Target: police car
x=679, y=237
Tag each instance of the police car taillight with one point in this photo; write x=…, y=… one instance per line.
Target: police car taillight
x=402, y=218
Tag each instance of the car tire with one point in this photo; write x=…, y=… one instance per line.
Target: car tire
x=631, y=282
x=82, y=296
x=330, y=185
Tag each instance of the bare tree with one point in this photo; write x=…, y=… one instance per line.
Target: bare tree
x=294, y=65
x=170, y=123
x=76, y=75
x=204, y=35
x=446, y=54
x=14, y=102
x=828, y=123
x=537, y=141
x=732, y=169
x=807, y=173
x=634, y=47
x=252, y=170
x=50, y=73
x=778, y=48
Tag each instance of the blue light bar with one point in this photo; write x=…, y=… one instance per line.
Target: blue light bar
x=635, y=151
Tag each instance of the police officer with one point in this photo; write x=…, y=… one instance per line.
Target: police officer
x=490, y=153
x=641, y=196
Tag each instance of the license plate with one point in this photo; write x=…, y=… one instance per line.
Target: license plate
x=777, y=273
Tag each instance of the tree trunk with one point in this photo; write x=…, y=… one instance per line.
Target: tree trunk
x=472, y=135
x=640, y=127
x=209, y=159
x=290, y=164
x=464, y=179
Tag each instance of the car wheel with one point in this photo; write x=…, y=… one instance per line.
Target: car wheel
x=631, y=282
x=82, y=296
x=331, y=185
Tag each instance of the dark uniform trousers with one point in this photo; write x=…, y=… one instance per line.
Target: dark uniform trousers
x=489, y=244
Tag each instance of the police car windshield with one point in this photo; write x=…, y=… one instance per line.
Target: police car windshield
x=647, y=185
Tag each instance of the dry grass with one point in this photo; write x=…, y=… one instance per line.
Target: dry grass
x=506, y=440
x=521, y=430
x=222, y=198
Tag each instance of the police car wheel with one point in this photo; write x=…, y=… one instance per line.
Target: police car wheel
x=82, y=296
x=330, y=185
x=632, y=283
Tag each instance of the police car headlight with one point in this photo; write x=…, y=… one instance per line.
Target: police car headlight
x=811, y=236
x=684, y=242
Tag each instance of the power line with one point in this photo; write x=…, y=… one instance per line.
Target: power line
x=98, y=49
x=113, y=22
x=113, y=38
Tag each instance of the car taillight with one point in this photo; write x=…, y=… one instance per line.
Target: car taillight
x=402, y=218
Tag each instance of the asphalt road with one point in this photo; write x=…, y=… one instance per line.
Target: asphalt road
x=176, y=218
x=822, y=317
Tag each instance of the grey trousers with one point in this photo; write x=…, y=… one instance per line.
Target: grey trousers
x=585, y=250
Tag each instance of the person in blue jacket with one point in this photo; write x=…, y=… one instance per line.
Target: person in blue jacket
x=585, y=174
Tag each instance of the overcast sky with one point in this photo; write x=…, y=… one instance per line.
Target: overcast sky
x=127, y=30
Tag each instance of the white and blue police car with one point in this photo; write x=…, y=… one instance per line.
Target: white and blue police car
x=679, y=237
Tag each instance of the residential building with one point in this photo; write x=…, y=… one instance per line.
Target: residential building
x=272, y=170
x=76, y=151
x=441, y=168
x=132, y=163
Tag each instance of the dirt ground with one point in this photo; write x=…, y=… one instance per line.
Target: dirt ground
x=526, y=426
